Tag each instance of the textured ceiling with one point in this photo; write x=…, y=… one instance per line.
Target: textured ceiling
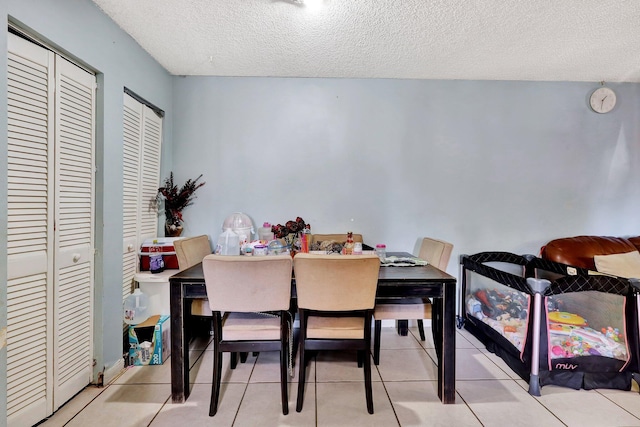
x=550, y=40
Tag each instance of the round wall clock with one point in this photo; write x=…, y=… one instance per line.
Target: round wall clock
x=602, y=100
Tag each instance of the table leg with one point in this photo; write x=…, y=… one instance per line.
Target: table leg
x=179, y=345
x=447, y=363
x=403, y=327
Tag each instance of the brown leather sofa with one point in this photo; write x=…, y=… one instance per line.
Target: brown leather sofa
x=579, y=251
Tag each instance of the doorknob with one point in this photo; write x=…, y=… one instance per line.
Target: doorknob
x=129, y=247
x=76, y=257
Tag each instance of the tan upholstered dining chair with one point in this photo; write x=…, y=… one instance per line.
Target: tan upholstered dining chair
x=435, y=252
x=336, y=296
x=190, y=251
x=249, y=298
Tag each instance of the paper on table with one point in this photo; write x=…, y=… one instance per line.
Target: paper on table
x=395, y=261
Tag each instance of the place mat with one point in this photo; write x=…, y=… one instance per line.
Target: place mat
x=395, y=261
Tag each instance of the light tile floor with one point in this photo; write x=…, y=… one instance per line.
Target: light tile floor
x=404, y=390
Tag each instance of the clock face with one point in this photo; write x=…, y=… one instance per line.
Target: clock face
x=602, y=100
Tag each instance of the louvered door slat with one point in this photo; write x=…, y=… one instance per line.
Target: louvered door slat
x=150, y=172
x=29, y=243
x=73, y=267
x=131, y=148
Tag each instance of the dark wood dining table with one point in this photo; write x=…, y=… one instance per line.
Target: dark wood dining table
x=393, y=282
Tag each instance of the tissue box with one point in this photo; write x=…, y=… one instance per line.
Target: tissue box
x=149, y=341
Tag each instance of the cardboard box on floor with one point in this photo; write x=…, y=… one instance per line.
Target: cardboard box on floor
x=149, y=341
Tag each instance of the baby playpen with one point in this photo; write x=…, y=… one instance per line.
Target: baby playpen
x=553, y=323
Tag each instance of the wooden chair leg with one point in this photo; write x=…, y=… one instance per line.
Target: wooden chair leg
x=367, y=363
x=376, y=341
x=435, y=325
x=244, y=355
x=213, y=406
x=421, y=329
x=360, y=357
x=302, y=371
x=367, y=383
x=234, y=360
x=301, y=378
x=217, y=366
x=284, y=373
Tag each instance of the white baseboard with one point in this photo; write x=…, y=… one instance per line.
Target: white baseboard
x=112, y=372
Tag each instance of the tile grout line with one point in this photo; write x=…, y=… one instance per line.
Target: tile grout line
x=244, y=393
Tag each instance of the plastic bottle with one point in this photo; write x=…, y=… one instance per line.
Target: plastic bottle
x=265, y=233
x=305, y=240
x=135, y=307
x=156, y=262
x=381, y=251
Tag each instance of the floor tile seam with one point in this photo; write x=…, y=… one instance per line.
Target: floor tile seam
x=617, y=404
x=459, y=396
x=159, y=410
x=104, y=388
x=393, y=408
x=244, y=393
x=534, y=398
x=507, y=373
x=346, y=381
x=406, y=349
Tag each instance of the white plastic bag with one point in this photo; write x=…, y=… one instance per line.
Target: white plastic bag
x=228, y=243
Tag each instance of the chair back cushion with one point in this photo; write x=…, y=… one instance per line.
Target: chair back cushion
x=336, y=282
x=246, y=283
x=191, y=250
x=436, y=252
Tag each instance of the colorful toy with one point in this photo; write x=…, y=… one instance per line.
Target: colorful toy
x=568, y=318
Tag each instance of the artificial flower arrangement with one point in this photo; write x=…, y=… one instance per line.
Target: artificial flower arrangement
x=175, y=200
x=290, y=232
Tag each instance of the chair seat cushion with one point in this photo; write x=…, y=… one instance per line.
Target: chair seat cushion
x=335, y=327
x=200, y=307
x=402, y=311
x=250, y=326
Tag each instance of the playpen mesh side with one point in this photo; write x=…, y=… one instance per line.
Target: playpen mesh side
x=509, y=347
x=615, y=313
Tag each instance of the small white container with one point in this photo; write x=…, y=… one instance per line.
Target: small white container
x=381, y=251
x=259, y=250
x=357, y=248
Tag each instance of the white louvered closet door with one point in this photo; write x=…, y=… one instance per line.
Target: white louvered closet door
x=150, y=172
x=29, y=240
x=74, y=232
x=141, y=178
x=50, y=216
x=132, y=143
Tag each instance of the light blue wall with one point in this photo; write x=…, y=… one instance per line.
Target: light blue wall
x=487, y=165
x=81, y=29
